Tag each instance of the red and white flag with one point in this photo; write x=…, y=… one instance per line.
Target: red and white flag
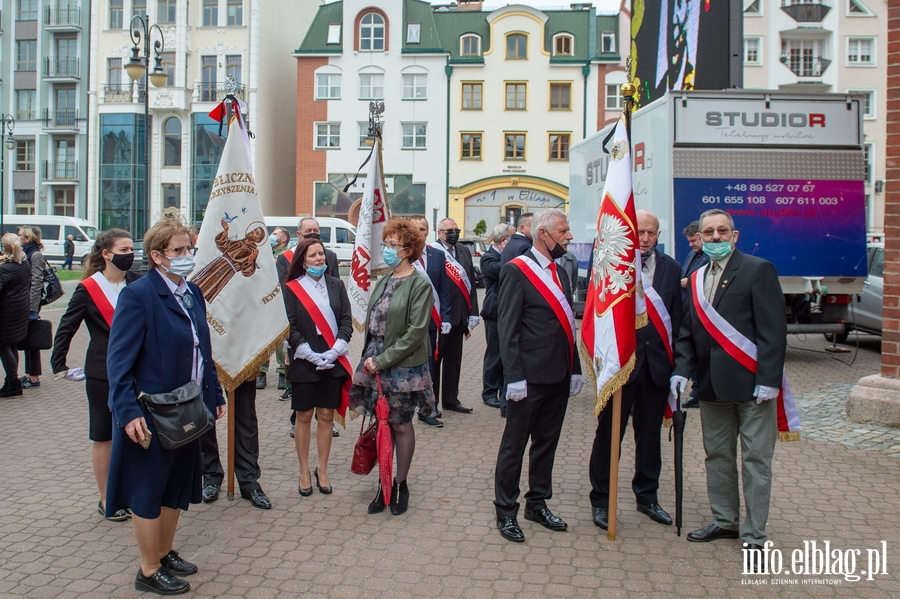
x=614, y=307
x=367, y=259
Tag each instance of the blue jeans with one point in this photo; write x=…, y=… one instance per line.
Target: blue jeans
x=67, y=262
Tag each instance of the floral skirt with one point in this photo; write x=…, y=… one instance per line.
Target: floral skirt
x=404, y=388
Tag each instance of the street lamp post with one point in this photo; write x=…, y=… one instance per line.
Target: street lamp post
x=137, y=68
x=7, y=124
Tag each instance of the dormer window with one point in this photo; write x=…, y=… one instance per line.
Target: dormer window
x=516, y=46
x=371, y=33
x=413, y=31
x=608, y=42
x=563, y=45
x=470, y=45
x=334, y=34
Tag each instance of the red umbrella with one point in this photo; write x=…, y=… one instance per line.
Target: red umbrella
x=384, y=443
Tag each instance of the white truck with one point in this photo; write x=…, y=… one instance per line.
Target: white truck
x=788, y=167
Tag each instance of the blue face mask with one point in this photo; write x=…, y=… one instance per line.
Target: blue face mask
x=391, y=258
x=717, y=250
x=316, y=271
x=273, y=241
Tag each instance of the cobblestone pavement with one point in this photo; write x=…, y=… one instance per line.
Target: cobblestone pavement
x=840, y=484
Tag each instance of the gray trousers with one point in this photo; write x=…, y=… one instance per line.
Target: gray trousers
x=757, y=426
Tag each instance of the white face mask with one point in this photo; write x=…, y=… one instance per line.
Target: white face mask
x=180, y=266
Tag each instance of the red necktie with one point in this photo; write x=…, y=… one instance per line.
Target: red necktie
x=555, y=278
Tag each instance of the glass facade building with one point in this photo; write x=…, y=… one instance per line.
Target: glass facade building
x=121, y=197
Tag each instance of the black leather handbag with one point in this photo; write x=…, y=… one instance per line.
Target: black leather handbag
x=40, y=335
x=180, y=416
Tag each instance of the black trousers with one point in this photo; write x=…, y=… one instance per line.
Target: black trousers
x=492, y=372
x=539, y=416
x=432, y=363
x=449, y=365
x=246, y=443
x=10, y=359
x=645, y=402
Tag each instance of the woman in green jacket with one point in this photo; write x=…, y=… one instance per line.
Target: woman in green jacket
x=397, y=349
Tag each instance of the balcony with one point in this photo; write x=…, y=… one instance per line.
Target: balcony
x=806, y=66
x=63, y=69
x=62, y=17
x=61, y=171
x=117, y=93
x=65, y=118
x=215, y=92
x=806, y=11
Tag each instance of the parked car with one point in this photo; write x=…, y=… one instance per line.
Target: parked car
x=477, y=247
x=338, y=235
x=54, y=230
x=865, y=310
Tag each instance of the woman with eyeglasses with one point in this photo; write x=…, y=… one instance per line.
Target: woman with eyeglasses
x=159, y=341
x=397, y=349
x=321, y=326
x=93, y=302
x=30, y=238
x=15, y=288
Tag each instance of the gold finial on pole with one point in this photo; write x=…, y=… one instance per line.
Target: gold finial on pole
x=628, y=88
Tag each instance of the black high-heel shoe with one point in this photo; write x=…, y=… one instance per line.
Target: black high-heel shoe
x=377, y=505
x=399, y=498
x=323, y=490
x=304, y=492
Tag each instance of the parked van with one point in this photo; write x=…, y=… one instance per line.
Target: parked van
x=54, y=230
x=338, y=235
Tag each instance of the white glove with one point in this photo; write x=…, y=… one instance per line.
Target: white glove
x=305, y=352
x=677, y=384
x=763, y=393
x=575, y=385
x=340, y=346
x=445, y=328
x=322, y=365
x=330, y=356
x=473, y=322
x=72, y=374
x=517, y=391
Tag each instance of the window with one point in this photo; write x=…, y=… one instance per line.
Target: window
x=139, y=8
x=114, y=72
x=608, y=42
x=471, y=96
x=751, y=51
x=24, y=201
x=515, y=146
x=516, y=46
x=414, y=86
x=66, y=56
x=28, y=10
x=614, y=99
x=371, y=33
x=235, y=12
x=334, y=34
x=168, y=64
x=26, y=55
x=868, y=106
x=869, y=156
x=328, y=135
x=413, y=136
x=860, y=51
x=855, y=8
x=65, y=106
x=25, y=155
x=64, y=163
x=562, y=45
x=363, y=135
x=26, y=104
x=209, y=78
x=804, y=57
x=172, y=195
x=210, y=13
x=116, y=12
x=470, y=45
x=515, y=96
x=64, y=202
x=233, y=67
x=753, y=7
x=559, y=96
x=413, y=31
x=172, y=143
x=328, y=86
x=165, y=11
x=559, y=146
x=470, y=146
x=371, y=86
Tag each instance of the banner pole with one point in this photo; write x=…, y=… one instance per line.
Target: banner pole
x=614, y=446
x=229, y=471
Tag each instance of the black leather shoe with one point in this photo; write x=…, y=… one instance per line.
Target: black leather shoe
x=210, y=493
x=281, y=382
x=177, y=566
x=258, y=499
x=261, y=381
x=545, y=518
x=509, y=529
x=492, y=402
x=399, y=498
x=377, y=505
x=656, y=513
x=430, y=421
x=752, y=560
x=161, y=582
x=459, y=408
x=711, y=532
x=601, y=517
x=323, y=490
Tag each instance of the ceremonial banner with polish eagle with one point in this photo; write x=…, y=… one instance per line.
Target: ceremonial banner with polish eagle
x=614, y=307
x=235, y=266
x=367, y=261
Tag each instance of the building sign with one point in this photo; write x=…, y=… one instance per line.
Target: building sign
x=490, y=206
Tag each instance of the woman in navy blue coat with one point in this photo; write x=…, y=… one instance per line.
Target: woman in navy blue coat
x=158, y=342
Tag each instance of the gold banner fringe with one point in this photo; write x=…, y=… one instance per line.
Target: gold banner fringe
x=641, y=320
x=613, y=385
x=667, y=422
x=788, y=436
x=229, y=383
x=587, y=363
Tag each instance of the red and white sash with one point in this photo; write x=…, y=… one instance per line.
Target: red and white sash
x=288, y=255
x=103, y=294
x=323, y=317
x=662, y=322
x=744, y=352
x=551, y=292
x=457, y=274
x=436, y=308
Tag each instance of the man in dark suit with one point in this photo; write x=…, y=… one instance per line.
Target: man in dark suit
x=695, y=260
x=645, y=393
x=463, y=316
x=520, y=242
x=434, y=265
x=492, y=372
x=537, y=347
x=735, y=401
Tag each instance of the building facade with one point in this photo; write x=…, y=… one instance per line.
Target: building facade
x=44, y=50
x=833, y=46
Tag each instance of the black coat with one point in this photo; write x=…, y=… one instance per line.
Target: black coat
x=459, y=311
x=83, y=309
x=490, y=272
x=303, y=330
x=15, y=289
x=517, y=245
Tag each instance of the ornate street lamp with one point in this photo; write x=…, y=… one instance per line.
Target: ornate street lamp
x=7, y=124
